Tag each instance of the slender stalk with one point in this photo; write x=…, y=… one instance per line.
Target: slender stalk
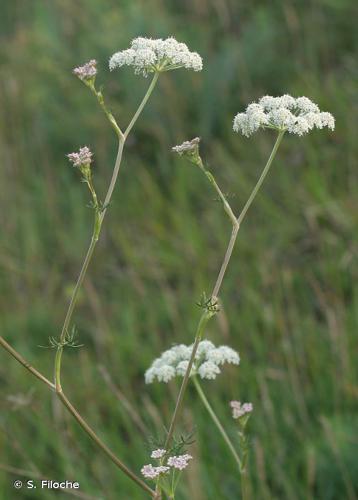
x=97, y=227
x=95, y=236
x=262, y=177
x=103, y=447
x=113, y=178
x=70, y=310
x=201, y=326
x=106, y=111
x=236, y=226
x=215, y=185
x=142, y=104
x=71, y=307
x=78, y=417
x=216, y=420
x=227, y=257
x=245, y=490
x=24, y=363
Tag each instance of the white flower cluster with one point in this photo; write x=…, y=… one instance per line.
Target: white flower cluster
x=179, y=462
x=296, y=116
x=147, y=56
x=174, y=362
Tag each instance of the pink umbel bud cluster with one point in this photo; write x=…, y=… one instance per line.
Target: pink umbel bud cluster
x=151, y=472
x=87, y=71
x=179, y=462
x=82, y=157
x=240, y=409
x=159, y=453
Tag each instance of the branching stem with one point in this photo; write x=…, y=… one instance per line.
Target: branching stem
x=99, y=216
x=236, y=223
x=25, y=363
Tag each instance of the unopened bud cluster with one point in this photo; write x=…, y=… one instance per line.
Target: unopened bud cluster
x=189, y=149
x=240, y=409
x=83, y=157
x=86, y=72
x=176, y=462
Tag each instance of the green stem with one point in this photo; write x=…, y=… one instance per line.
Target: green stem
x=198, y=335
x=86, y=262
x=96, y=233
x=70, y=310
x=106, y=111
x=78, y=417
x=245, y=491
x=101, y=445
x=71, y=307
x=215, y=185
x=227, y=257
x=262, y=177
x=216, y=421
x=201, y=326
x=24, y=363
x=58, y=358
x=142, y=104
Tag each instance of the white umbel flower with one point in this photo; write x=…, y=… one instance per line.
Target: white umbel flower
x=285, y=113
x=175, y=361
x=224, y=354
x=209, y=370
x=182, y=368
x=147, y=56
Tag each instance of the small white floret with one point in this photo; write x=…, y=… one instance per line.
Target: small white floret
x=208, y=370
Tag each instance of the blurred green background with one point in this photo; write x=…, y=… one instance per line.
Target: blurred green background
x=290, y=296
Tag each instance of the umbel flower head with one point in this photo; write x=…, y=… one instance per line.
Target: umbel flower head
x=240, y=409
x=178, y=462
x=152, y=472
x=86, y=72
x=82, y=158
x=148, y=56
x=286, y=113
x=174, y=362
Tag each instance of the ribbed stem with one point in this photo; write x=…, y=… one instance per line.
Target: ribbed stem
x=103, y=447
x=216, y=421
x=25, y=363
x=235, y=228
x=62, y=341
x=97, y=227
x=201, y=326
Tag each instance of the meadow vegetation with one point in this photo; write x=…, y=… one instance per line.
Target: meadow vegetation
x=289, y=298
